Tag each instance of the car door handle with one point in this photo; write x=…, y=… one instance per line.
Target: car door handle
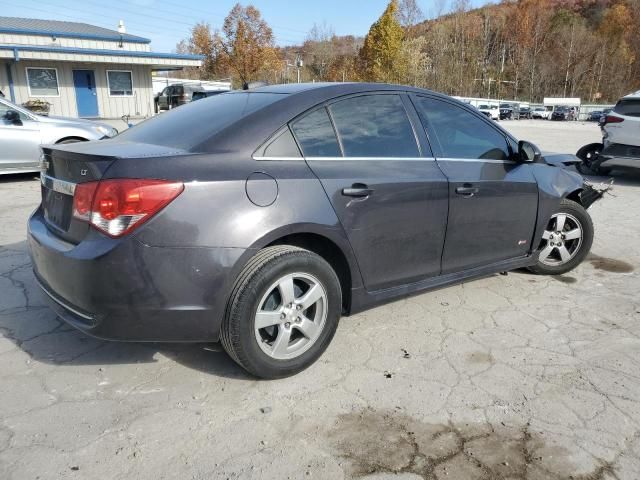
x=357, y=190
x=467, y=191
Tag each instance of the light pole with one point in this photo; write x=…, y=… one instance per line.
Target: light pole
x=298, y=64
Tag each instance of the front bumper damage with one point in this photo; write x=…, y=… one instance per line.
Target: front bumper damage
x=591, y=193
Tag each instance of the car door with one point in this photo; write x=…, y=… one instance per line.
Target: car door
x=20, y=140
x=384, y=185
x=163, y=99
x=493, y=200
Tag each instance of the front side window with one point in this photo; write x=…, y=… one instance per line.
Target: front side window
x=42, y=82
x=374, y=126
x=4, y=108
x=457, y=133
x=120, y=83
x=316, y=136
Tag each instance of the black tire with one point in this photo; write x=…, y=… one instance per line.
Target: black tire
x=576, y=210
x=238, y=336
x=589, y=154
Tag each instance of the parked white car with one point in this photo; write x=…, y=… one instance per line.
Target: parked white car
x=22, y=132
x=541, y=112
x=490, y=110
x=620, y=139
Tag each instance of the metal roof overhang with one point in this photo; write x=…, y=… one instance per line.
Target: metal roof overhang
x=156, y=60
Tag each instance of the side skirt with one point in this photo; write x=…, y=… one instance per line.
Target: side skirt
x=363, y=300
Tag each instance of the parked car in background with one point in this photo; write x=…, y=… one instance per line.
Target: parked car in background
x=595, y=115
x=22, y=132
x=509, y=111
x=175, y=95
x=620, y=139
x=125, y=252
x=563, y=113
x=205, y=94
x=490, y=110
x=525, y=112
x=540, y=112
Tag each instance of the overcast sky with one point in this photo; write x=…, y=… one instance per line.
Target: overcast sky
x=165, y=22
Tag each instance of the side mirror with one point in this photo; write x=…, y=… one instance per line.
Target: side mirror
x=528, y=152
x=13, y=117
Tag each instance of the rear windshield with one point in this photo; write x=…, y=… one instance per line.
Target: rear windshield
x=190, y=125
x=629, y=107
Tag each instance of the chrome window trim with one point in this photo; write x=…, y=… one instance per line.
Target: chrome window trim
x=342, y=159
x=482, y=160
x=60, y=186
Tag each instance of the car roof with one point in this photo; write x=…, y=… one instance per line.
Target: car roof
x=633, y=95
x=334, y=89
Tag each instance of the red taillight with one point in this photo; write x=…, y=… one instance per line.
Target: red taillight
x=116, y=207
x=612, y=119
x=83, y=199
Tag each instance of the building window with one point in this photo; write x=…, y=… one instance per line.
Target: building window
x=120, y=83
x=42, y=82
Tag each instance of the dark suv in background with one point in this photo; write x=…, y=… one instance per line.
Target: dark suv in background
x=509, y=111
x=175, y=95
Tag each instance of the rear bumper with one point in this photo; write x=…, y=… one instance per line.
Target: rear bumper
x=617, y=154
x=125, y=290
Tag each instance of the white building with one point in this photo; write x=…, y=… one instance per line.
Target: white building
x=81, y=70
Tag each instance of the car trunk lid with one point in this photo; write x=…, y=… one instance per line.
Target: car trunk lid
x=63, y=167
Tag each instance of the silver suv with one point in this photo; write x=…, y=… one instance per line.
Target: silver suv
x=22, y=132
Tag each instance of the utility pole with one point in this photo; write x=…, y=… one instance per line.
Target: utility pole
x=298, y=64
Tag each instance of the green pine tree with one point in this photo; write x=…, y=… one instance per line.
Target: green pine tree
x=381, y=54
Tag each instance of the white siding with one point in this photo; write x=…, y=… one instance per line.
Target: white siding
x=137, y=106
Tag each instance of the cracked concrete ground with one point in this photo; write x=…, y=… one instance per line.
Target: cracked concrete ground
x=509, y=377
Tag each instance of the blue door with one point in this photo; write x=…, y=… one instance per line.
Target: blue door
x=86, y=96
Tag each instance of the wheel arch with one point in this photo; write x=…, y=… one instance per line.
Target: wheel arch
x=327, y=242
x=329, y=251
x=72, y=137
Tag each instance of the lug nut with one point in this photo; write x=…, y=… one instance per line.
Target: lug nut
x=282, y=316
x=287, y=325
x=298, y=320
x=298, y=307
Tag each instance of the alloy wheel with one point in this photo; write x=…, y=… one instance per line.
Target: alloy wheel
x=561, y=240
x=291, y=316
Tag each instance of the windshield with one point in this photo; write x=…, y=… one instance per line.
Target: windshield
x=190, y=125
x=13, y=106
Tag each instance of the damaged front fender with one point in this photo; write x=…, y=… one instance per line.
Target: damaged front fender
x=592, y=193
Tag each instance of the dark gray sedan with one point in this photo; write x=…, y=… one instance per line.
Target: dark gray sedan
x=259, y=218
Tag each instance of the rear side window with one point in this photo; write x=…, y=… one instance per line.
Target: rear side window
x=629, y=107
x=283, y=146
x=457, y=133
x=374, y=126
x=195, y=123
x=316, y=136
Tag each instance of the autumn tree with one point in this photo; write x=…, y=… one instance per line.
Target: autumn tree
x=409, y=15
x=246, y=44
x=202, y=41
x=319, y=51
x=381, y=52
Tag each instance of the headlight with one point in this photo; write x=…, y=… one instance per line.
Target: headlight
x=106, y=131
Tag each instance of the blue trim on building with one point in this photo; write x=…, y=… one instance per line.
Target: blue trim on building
x=87, y=36
x=12, y=93
x=92, y=51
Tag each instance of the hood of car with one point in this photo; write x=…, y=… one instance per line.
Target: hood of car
x=55, y=121
x=560, y=159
